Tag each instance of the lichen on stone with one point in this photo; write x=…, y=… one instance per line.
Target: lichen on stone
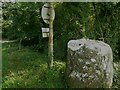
x=85, y=67
x=93, y=60
x=89, y=64
x=98, y=72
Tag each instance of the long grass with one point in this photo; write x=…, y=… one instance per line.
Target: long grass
x=25, y=68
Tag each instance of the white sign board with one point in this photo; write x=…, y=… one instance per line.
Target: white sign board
x=45, y=32
x=45, y=13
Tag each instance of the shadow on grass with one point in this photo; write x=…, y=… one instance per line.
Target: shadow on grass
x=27, y=69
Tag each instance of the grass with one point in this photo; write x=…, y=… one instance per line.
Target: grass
x=116, y=77
x=27, y=69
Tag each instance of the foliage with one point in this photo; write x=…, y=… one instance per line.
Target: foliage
x=91, y=20
x=27, y=69
x=116, y=77
x=73, y=21
x=22, y=21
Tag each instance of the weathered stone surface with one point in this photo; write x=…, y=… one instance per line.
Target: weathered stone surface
x=89, y=64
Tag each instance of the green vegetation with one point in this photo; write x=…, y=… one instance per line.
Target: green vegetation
x=27, y=69
x=116, y=79
x=99, y=21
x=25, y=62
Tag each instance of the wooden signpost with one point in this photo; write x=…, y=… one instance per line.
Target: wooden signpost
x=48, y=16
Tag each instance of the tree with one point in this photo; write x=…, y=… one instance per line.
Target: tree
x=73, y=20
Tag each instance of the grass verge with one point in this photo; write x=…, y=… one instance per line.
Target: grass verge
x=24, y=68
x=27, y=69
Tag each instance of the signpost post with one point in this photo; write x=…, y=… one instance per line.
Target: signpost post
x=50, y=51
x=48, y=16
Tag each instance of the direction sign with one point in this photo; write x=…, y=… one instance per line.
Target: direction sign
x=45, y=32
x=45, y=13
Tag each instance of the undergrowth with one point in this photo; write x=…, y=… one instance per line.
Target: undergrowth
x=24, y=68
x=27, y=69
